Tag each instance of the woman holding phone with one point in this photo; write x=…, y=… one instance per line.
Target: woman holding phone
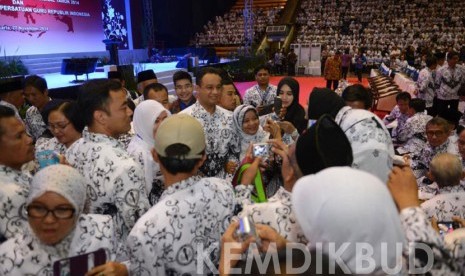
x=289, y=114
x=57, y=227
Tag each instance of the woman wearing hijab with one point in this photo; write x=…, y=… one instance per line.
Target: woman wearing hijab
x=371, y=143
x=291, y=116
x=342, y=205
x=57, y=228
x=323, y=145
x=291, y=111
x=147, y=117
x=247, y=124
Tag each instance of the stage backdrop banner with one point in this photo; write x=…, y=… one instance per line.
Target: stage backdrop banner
x=31, y=27
x=114, y=22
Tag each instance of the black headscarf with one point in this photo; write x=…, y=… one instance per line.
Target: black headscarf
x=324, y=101
x=322, y=146
x=295, y=113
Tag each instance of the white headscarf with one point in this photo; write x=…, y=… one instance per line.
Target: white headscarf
x=145, y=115
x=370, y=140
x=63, y=180
x=245, y=139
x=342, y=204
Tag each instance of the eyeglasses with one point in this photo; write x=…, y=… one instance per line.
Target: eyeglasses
x=58, y=126
x=35, y=211
x=436, y=133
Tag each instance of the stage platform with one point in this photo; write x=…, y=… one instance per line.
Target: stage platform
x=62, y=86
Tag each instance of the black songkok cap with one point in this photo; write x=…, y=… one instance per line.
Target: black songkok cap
x=115, y=75
x=323, y=145
x=146, y=75
x=11, y=84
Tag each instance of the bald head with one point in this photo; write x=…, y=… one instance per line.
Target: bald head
x=446, y=169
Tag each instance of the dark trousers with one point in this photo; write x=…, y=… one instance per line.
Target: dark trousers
x=443, y=105
x=359, y=74
x=291, y=69
x=279, y=69
x=345, y=70
x=335, y=84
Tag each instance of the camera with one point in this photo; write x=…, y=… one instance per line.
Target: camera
x=261, y=150
x=247, y=229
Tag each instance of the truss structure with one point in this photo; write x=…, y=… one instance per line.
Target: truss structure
x=148, y=20
x=248, y=26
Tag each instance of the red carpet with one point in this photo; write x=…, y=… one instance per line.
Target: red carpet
x=306, y=85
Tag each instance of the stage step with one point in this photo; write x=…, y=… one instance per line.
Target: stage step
x=45, y=65
x=48, y=70
x=51, y=63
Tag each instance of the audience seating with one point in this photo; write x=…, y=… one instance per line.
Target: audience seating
x=384, y=92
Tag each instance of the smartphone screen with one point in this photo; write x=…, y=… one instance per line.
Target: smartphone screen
x=47, y=158
x=81, y=264
x=278, y=104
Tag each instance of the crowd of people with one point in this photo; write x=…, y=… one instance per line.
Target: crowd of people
x=191, y=185
x=229, y=28
x=398, y=35
x=383, y=28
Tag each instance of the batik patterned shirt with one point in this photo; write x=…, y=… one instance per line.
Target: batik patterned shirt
x=256, y=97
x=396, y=115
x=26, y=255
x=50, y=144
x=370, y=141
x=14, y=190
x=426, y=86
x=448, y=82
x=154, y=180
x=450, y=202
x=189, y=219
x=413, y=133
x=221, y=139
x=277, y=212
x=417, y=228
x=35, y=125
x=115, y=182
x=422, y=159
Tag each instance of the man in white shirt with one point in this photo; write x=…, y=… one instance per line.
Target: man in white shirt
x=16, y=149
x=263, y=93
x=449, y=79
x=399, y=113
x=437, y=135
x=115, y=182
x=181, y=233
x=446, y=171
x=413, y=134
x=425, y=84
x=144, y=78
x=220, y=135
